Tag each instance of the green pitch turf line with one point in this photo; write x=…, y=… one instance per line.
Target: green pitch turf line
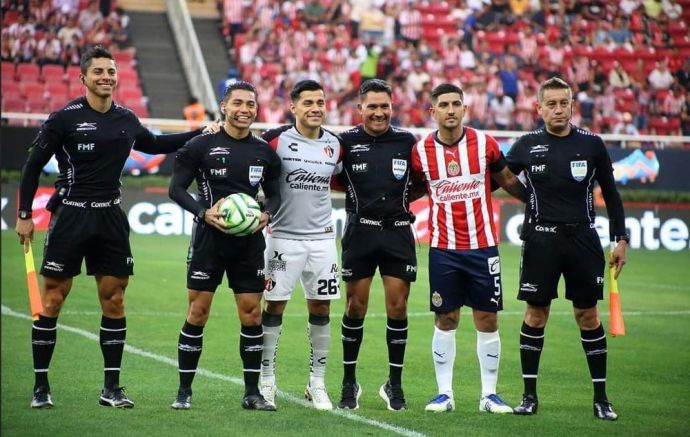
x=7, y=311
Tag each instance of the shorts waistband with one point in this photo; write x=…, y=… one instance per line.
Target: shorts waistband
x=395, y=222
x=91, y=204
x=555, y=228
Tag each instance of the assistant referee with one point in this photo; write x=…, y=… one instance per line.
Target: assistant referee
x=561, y=164
x=91, y=138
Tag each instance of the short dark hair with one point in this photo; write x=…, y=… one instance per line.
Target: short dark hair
x=239, y=85
x=376, y=86
x=304, y=85
x=555, y=83
x=94, y=52
x=446, y=88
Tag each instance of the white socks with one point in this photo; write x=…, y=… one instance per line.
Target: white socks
x=320, y=339
x=268, y=357
x=443, y=352
x=488, y=352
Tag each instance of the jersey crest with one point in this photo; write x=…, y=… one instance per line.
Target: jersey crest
x=255, y=174
x=399, y=168
x=578, y=169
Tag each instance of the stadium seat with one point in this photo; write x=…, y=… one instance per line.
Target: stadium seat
x=664, y=125
x=10, y=86
x=139, y=109
x=56, y=87
x=51, y=73
x=123, y=59
x=12, y=105
x=31, y=88
x=28, y=73
x=73, y=72
x=75, y=90
x=8, y=71
x=128, y=75
x=36, y=107
x=57, y=102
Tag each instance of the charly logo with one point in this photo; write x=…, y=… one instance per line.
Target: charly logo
x=86, y=126
x=436, y=299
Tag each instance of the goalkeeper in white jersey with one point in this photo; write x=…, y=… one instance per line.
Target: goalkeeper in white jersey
x=301, y=238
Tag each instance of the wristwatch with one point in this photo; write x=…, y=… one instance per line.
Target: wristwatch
x=625, y=238
x=201, y=214
x=24, y=214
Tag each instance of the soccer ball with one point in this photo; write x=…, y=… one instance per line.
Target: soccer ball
x=241, y=214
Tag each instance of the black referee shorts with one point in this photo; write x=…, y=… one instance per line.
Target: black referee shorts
x=551, y=250
x=99, y=235
x=390, y=248
x=212, y=253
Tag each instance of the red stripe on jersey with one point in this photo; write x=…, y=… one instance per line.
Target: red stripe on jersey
x=430, y=152
x=473, y=150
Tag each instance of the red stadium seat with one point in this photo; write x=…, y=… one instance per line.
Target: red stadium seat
x=8, y=70
x=28, y=73
x=664, y=125
x=10, y=86
x=31, y=88
x=76, y=90
x=12, y=105
x=128, y=75
x=123, y=59
x=56, y=87
x=73, y=72
x=139, y=109
x=129, y=93
x=51, y=73
x=36, y=107
x=58, y=101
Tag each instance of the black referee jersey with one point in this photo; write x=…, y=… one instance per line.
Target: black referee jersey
x=91, y=149
x=223, y=165
x=561, y=173
x=376, y=172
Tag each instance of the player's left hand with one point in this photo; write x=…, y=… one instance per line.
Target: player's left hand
x=263, y=222
x=213, y=127
x=618, y=257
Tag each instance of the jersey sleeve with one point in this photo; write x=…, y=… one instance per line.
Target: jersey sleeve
x=515, y=158
x=147, y=142
x=187, y=162
x=46, y=143
x=271, y=184
x=614, y=204
x=494, y=157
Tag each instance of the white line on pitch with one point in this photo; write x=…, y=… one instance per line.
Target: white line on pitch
x=237, y=381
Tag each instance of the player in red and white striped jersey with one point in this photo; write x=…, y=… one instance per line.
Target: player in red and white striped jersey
x=457, y=164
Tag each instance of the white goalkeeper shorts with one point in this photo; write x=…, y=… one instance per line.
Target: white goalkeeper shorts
x=313, y=262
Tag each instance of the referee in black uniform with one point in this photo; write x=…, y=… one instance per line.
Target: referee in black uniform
x=376, y=175
x=91, y=138
x=230, y=161
x=561, y=164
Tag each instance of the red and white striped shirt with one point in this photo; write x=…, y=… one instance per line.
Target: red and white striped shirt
x=459, y=188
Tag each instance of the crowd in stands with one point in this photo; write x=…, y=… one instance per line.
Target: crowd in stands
x=628, y=60
x=42, y=42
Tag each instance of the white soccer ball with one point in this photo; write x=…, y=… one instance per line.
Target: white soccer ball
x=242, y=214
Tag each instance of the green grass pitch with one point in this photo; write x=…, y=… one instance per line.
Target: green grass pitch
x=648, y=379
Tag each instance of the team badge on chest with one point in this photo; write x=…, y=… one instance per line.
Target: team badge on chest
x=453, y=168
x=255, y=174
x=399, y=168
x=578, y=169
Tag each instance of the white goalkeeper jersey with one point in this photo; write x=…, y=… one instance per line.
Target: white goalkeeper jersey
x=305, y=177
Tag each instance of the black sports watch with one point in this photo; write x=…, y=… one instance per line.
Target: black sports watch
x=201, y=214
x=24, y=214
x=625, y=238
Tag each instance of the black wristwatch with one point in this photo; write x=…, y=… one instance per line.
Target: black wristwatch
x=201, y=214
x=625, y=238
x=24, y=214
